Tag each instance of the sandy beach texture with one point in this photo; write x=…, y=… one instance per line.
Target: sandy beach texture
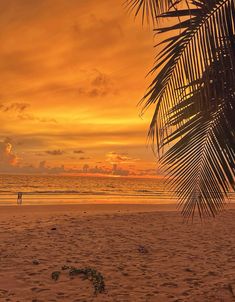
x=144, y=252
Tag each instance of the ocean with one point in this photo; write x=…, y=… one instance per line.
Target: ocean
x=44, y=189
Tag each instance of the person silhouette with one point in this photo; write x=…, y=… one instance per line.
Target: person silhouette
x=19, y=198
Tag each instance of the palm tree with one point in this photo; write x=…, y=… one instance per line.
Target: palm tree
x=193, y=125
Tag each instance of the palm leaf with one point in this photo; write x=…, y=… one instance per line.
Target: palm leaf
x=197, y=101
x=150, y=9
x=194, y=97
x=202, y=160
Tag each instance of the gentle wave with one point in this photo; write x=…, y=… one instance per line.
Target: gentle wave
x=59, y=189
x=39, y=193
x=107, y=192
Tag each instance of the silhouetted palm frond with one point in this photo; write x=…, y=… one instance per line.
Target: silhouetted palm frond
x=202, y=160
x=150, y=9
x=194, y=95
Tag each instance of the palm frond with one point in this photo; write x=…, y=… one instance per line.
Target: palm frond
x=150, y=9
x=194, y=95
x=203, y=158
x=186, y=55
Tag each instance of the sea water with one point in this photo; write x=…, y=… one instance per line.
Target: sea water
x=49, y=189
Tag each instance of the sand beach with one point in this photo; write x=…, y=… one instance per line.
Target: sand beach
x=144, y=253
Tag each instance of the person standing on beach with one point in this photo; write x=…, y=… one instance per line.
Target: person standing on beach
x=19, y=198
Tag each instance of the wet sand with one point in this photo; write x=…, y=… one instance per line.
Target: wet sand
x=144, y=252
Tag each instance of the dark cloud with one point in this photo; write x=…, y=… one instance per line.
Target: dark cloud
x=21, y=110
x=78, y=151
x=102, y=170
x=101, y=85
x=42, y=168
x=55, y=152
x=114, y=158
x=31, y=117
x=18, y=107
x=94, y=84
x=119, y=171
x=100, y=80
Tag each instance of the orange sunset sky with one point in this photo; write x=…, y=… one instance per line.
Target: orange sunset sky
x=72, y=73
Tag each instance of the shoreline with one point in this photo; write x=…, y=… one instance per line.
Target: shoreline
x=91, y=209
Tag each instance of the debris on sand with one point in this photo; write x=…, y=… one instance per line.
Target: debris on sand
x=55, y=275
x=231, y=288
x=91, y=274
x=86, y=273
x=142, y=249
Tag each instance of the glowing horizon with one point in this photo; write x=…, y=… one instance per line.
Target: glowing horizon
x=71, y=77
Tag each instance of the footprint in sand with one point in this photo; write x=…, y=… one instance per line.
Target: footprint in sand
x=38, y=290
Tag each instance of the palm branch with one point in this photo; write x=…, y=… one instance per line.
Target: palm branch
x=150, y=9
x=194, y=95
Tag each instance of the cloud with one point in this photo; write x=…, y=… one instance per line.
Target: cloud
x=31, y=117
x=119, y=171
x=93, y=84
x=101, y=85
x=78, y=151
x=115, y=158
x=55, y=152
x=11, y=163
x=21, y=111
x=42, y=168
x=100, y=80
x=101, y=170
x=18, y=107
x=8, y=158
x=76, y=67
